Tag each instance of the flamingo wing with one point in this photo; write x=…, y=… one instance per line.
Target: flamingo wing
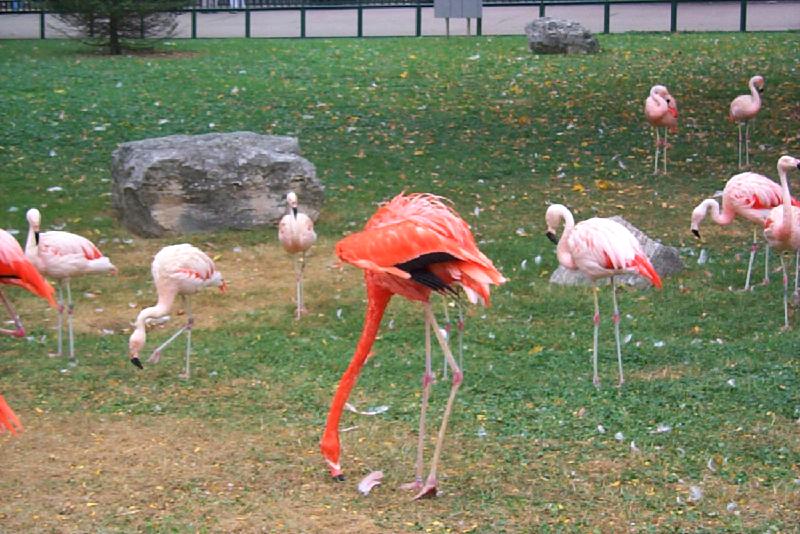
x=16, y=269
x=66, y=243
x=8, y=419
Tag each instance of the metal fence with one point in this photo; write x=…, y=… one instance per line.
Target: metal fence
x=247, y=7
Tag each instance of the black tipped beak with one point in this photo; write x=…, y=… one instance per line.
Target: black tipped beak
x=552, y=237
x=761, y=90
x=798, y=165
x=294, y=212
x=339, y=478
x=696, y=233
x=137, y=362
x=36, y=236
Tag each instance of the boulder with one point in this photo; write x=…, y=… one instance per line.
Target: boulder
x=196, y=183
x=547, y=35
x=666, y=261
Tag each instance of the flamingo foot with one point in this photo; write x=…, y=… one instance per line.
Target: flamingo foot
x=621, y=382
x=415, y=486
x=785, y=328
x=184, y=376
x=300, y=312
x=155, y=357
x=596, y=382
x=54, y=354
x=428, y=491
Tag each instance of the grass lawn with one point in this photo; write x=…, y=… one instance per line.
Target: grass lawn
x=712, y=397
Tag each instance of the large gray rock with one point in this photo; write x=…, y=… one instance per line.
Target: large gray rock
x=665, y=259
x=192, y=183
x=547, y=35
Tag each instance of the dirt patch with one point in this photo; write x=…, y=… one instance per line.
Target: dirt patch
x=122, y=473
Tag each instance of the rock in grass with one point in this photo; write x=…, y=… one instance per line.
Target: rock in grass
x=195, y=183
x=666, y=261
x=548, y=35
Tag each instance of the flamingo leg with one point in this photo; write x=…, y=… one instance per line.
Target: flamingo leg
x=61, y=309
x=70, y=308
x=156, y=356
x=753, y=249
x=796, y=272
x=447, y=328
x=658, y=145
x=666, y=143
x=302, y=294
x=596, y=321
x=740, y=145
x=785, y=294
x=189, y=323
x=427, y=380
x=430, y=487
x=615, y=318
x=18, y=331
x=460, y=337
x=766, y=264
x=747, y=143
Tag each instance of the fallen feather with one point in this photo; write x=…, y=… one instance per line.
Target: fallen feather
x=661, y=429
x=369, y=411
x=349, y=428
x=731, y=382
x=601, y=429
x=658, y=344
x=523, y=265
x=55, y=189
x=634, y=448
x=619, y=436
x=370, y=481
x=731, y=507
x=481, y=433
x=695, y=494
x=537, y=260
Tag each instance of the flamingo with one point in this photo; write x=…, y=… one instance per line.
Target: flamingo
x=744, y=109
x=750, y=196
x=782, y=227
x=296, y=234
x=8, y=419
x=63, y=255
x=599, y=248
x=412, y=245
x=17, y=270
x=177, y=270
x=661, y=111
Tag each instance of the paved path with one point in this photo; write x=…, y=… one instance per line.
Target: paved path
x=718, y=16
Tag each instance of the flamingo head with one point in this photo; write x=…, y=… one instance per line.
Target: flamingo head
x=291, y=200
x=787, y=163
x=135, y=345
x=330, y=451
x=758, y=83
x=698, y=214
x=659, y=90
x=34, y=221
x=553, y=217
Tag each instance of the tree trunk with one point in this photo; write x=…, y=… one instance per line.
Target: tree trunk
x=114, y=45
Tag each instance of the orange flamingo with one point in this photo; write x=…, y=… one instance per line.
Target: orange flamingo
x=744, y=109
x=63, y=255
x=296, y=234
x=782, y=227
x=599, y=248
x=750, y=196
x=17, y=270
x=8, y=419
x=177, y=270
x=661, y=111
x=412, y=245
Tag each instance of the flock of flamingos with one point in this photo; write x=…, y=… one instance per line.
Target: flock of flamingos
x=413, y=245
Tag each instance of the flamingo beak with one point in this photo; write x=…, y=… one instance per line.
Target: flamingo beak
x=36, y=236
x=552, y=237
x=137, y=362
x=696, y=232
x=294, y=211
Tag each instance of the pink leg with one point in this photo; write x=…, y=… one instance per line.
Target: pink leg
x=427, y=380
x=596, y=320
x=615, y=319
x=785, y=294
x=430, y=487
x=18, y=331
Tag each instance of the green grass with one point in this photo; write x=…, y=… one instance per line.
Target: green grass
x=488, y=125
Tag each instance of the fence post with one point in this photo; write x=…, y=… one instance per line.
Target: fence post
x=673, y=16
x=303, y=19
x=743, y=17
x=246, y=21
x=541, y=8
x=194, y=23
x=419, y=19
x=41, y=24
x=606, y=17
x=360, y=23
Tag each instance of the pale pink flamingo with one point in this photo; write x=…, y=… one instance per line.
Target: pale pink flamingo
x=296, y=234
x=782, y=227
x=17, y=270
x=599, y=248
x=177, y=270
x=744, y=109
x=750, y=196
x=661, y=111
x=8, y=419
x=412, y=245
x=62, y=256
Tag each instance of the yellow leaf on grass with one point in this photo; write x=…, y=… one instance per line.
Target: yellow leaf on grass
x=578, y=188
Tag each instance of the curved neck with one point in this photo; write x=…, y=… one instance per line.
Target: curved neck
x=754, y=94
x=377, y=300
x=161, y=308
x=660, y=102
x=726, y=217
x=32, y=243
x=563, y=252
x=787, y=200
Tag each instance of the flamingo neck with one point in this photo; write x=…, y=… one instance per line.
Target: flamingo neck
x=660, y=102
x=32, y=243
x=754, y=94
x=161, y=308
x=377, y=300
x=787, y=201
x=726, y=217
x=563, y=252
